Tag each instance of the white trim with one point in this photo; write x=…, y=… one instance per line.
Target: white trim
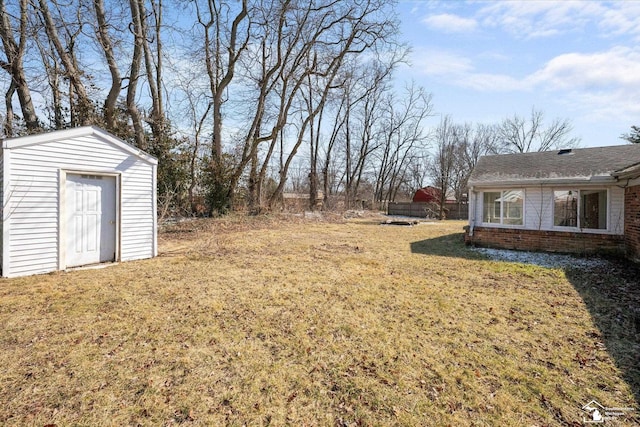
x=154, y=196
x=473, y=197
x=24, y=141
x=62, y=214
x=118, y=242
x=501, y=224
x=6, y=213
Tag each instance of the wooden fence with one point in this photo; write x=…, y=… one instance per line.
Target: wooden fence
x=428, y=210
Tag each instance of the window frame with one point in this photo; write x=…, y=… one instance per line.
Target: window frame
x=504, y=208
x=579, y=209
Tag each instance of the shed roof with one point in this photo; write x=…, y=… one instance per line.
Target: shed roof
x=79, y=132
x=600, y=164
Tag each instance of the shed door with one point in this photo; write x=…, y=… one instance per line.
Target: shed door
x=91, y=225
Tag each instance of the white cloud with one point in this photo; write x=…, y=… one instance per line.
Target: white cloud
x=618, y=67
x=441, y=63
x=540, y=19
x=605, y=84
x=460, y=71
x=577, y=59
x=491, y=82
x=615, y=105
x=543, y=19
x=622, y=18
x=449, y=23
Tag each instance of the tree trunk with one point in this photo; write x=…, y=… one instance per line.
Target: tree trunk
x=82, y=101
x=134, y=74
x=8, y=103
x=14, y=52
x=154, y=71
x=116, y=81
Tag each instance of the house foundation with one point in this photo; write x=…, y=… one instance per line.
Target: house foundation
x=547, y=241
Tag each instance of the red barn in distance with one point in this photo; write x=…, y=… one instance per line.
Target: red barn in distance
x=427, y=194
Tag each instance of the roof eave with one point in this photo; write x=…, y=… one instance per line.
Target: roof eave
x=529, y=182
x=23, y=141
x=79, y=132
x=628, y=173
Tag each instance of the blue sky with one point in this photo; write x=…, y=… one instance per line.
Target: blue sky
x=487, y=60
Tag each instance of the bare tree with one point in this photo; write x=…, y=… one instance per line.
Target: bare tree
x=365, y=89
x=271, y=86
x=14, y=43
x=403, y=136
x=223, y=45
x=357, y=107
x=298, y=51
x=418, y=171
x=522, y=135
x=105, y=42
x=134, y=73
x=82, y=111
x=358, y=30
x=154, y=68
x=196, y=108
x=338, y=121
x=443, y=162
x=470, y=143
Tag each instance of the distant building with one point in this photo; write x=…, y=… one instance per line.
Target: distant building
x=427, y=194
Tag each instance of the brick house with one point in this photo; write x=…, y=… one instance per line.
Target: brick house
x=584, y=200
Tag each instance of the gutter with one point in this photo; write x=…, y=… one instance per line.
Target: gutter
x=472, y=208
x=595, y=180
x=631, y=172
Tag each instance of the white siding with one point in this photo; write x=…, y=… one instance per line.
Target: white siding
x=1, y=206
x=616, y=213
x=32, y=194
x=538, y=209
x=138, y=213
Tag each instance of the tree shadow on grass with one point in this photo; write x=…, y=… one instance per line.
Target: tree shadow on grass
x=612, y=296
x=449, y=245
x=611, y=292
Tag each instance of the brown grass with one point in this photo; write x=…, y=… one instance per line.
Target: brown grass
x=268, y=322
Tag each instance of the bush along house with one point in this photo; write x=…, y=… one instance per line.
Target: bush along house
x=584, y=200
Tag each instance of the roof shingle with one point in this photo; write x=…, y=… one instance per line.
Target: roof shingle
x=580, y=164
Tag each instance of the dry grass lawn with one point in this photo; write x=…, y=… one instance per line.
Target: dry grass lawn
x=259, y=321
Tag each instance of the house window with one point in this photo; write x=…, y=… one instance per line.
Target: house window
x=565, y=208
x=503, y=207
x=580, y=208
x=593, y=213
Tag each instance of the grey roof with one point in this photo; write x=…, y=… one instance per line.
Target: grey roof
x=598, y=164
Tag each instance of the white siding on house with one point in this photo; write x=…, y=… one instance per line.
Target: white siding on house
x=32, y=199
x=538, y=209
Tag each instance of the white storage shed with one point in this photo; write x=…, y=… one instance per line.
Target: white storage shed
x=75, y=197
